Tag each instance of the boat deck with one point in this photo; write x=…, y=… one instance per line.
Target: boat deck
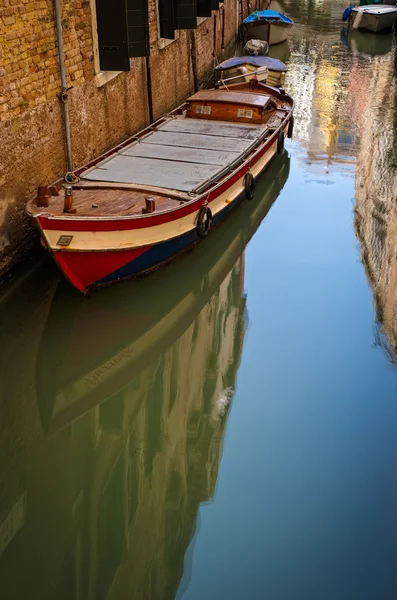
x=175, y=160
x=181, y=154
x=112, y=202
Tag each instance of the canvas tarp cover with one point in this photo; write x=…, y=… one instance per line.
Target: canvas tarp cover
x=268, y=15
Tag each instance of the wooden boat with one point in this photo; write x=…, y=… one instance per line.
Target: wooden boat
x=244, y=68
x=373, y=17
x=158, y=193
x=90, y=351
x=268, y=25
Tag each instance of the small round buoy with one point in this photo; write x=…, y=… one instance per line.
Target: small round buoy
x=280, y=143
x=249, y=186
x=204, y=221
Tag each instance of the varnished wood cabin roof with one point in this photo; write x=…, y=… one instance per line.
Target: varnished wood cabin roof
x=259, y=100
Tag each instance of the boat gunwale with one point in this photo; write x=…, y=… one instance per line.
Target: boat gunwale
x=381, y=9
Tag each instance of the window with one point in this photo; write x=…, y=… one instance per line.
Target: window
x=186, y=14
x=167, y=18
x=182, y=14
x=204, y=8
x=123, y=32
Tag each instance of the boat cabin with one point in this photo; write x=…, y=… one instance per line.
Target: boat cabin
x=239, y=107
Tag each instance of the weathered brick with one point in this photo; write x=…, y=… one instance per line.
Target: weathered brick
x=30, y=83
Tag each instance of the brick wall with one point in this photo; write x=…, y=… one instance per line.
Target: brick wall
x=32, y=149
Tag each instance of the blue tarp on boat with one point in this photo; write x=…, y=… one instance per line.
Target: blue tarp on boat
x=268, y=15
x=273, y=64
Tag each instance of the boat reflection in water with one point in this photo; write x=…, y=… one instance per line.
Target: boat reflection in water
x=366, y=42
x=134, y=387
x=280, y=51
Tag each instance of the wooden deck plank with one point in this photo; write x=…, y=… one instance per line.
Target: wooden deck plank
x=108, y=202
x=176, y=153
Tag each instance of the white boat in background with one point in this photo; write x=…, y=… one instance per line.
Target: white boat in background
x=270, y=26
x=373, y=17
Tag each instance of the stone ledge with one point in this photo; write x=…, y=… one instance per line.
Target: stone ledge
x=202, y=20
x=164, y=42
x=105, y=76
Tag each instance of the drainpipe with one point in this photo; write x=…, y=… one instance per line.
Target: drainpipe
x=194, y=58
x=64, y=96
x=149, y=88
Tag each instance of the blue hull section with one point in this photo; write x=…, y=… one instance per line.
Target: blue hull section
x=164, y=252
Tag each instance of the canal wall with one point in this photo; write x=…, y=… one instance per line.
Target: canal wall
x=105, y=106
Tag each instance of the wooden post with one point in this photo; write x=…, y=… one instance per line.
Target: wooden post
x=42, y=199
x=150, y=205
x=68, y=202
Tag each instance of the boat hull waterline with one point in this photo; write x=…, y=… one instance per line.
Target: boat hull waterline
x=105, y=250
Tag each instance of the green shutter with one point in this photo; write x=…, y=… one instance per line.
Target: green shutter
x=138, y=27
x=186, y=14
x=112, y=35
x=167, y=19
x=204, y=8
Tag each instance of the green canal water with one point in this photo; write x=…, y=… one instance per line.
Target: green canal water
x=225, y=428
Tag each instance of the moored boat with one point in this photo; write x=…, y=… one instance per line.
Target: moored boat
x=158, y=193
x=268, y=25
x=372, y=17
x=89, y=351
x=243, y=68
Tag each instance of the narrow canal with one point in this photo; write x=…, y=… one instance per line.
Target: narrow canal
x=226, y=428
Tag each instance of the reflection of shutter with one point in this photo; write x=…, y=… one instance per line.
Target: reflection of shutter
x=138, y=27
x=204, y=8
x=186, y=14
x=112, y=35
x=166, y=16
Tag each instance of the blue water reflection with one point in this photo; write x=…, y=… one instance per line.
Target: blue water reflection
x=306, y=503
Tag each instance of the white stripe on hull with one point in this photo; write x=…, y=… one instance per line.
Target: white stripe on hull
x=96, y=241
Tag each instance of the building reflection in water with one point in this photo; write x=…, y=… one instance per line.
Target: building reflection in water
x=376, y=191
x=344, y=86
x=119, y=406
x=318, y=79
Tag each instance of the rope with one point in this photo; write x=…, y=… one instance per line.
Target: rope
x=71, y=177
